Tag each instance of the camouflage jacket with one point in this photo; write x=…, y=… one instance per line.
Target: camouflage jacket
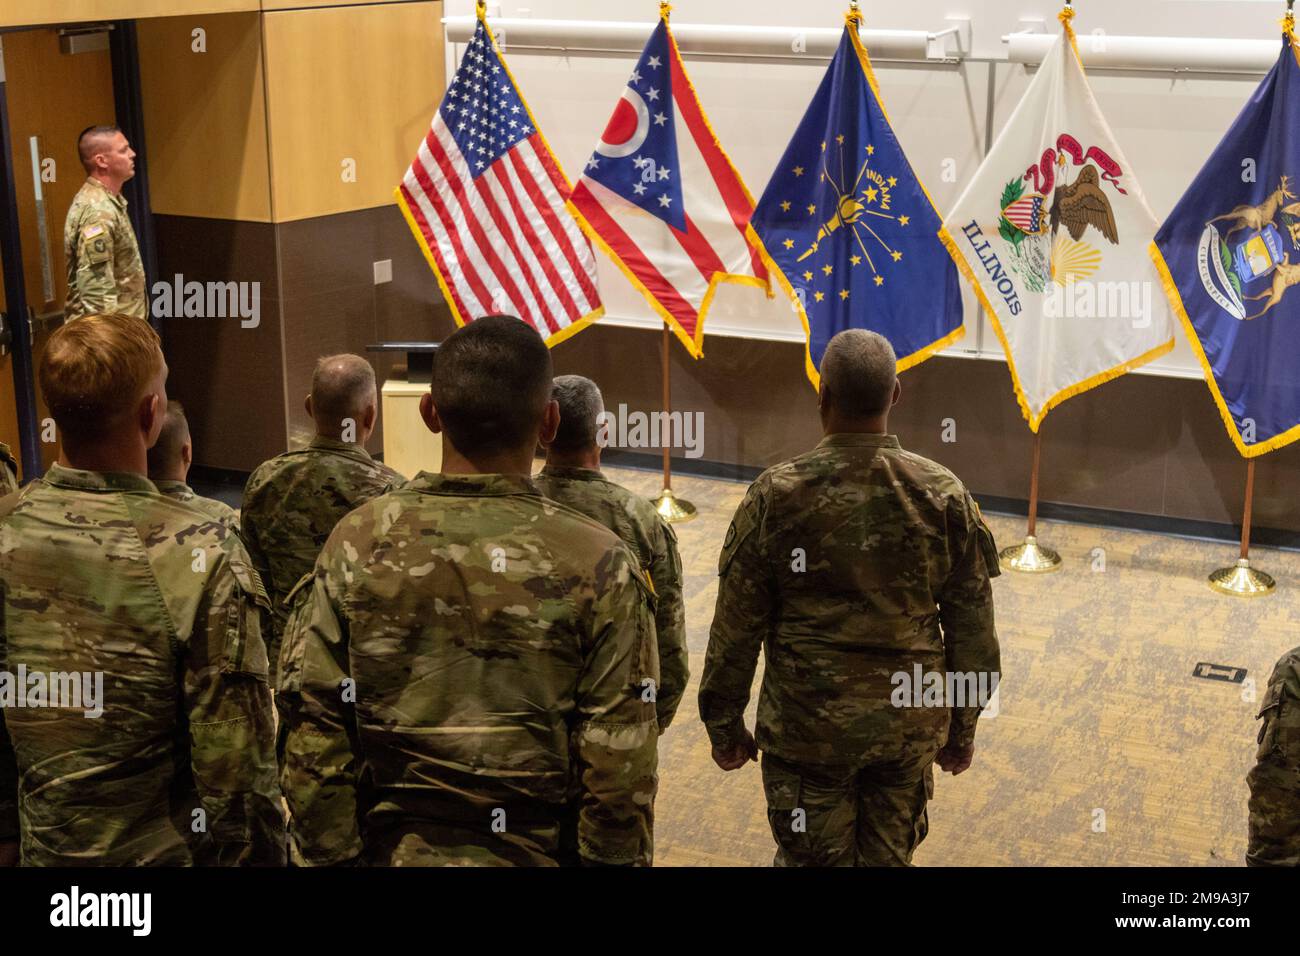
x=8, y=471
x=105, y=273
x=100, y=574
x=850, y=565
x=654, y=543
x=214, y=509
x=463, y=681
x=1275, y=779
x=292, y=503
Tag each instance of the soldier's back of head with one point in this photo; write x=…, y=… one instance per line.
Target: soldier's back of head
x=106, y=583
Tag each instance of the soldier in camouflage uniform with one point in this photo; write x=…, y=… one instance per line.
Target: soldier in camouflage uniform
x=101, y=574
x=1275, y=779
x=572, y=476
x=467, y=675
x=849, y=565
x=292, y=502
x=8, y=471
x=105, y=273
x=169, y=466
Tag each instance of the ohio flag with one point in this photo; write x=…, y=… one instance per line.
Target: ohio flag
x=663, y=200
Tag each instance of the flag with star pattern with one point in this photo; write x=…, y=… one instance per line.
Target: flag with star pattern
x=848, y=226
x=661, y=197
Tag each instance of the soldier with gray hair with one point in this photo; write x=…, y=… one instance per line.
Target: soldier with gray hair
x=573, y=477
x=292, y=502
x=848, y=565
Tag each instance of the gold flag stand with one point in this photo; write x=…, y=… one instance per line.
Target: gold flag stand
x=672, y=509
x=1241, y=580
x=1031, y=557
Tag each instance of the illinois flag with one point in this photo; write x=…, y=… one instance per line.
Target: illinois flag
x=849, y=228
x=1225, y=256
x=662, y=198
x=485, y=198
x=1050, y=233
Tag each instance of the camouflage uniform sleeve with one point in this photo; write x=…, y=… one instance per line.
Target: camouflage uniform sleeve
x=616, y=738
x=742, y=620
x=96, y=283
x=319, y=750
x=1275, y=779
x=232, y=731
x=670, y=624
x=970, y=639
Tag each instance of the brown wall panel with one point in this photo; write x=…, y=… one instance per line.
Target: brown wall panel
x=1142, y=444
x=28, y=12
x=229, y=377
x=205, y=114
x=357, y=83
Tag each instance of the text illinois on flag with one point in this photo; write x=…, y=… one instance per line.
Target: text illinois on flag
x=1050, y=233
x=485, y=198
x=1229, y=254
x=662, y=198
x=849, y=227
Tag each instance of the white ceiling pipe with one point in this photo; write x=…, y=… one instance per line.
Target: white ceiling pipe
x=1166, y=54
x=711, y=39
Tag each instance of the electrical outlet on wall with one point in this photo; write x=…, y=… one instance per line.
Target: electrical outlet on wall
x=383, y=271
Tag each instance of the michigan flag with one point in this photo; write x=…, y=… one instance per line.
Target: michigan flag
x=1050, y=233
x=849, y=228
x=662, y=198
x=1225, y=256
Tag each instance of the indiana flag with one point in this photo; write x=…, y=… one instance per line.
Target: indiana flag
x=1050, y=233
x=662, y=198
x=849, y=227
x=1225, y=256
x=485, y=199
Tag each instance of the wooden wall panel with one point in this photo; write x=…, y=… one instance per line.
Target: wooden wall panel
x=28, y=12
x=354, y=83
x=205, y=117
x=53, y=97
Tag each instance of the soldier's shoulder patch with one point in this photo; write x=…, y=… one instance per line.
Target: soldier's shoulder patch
x=93, y=230
x=742, y=526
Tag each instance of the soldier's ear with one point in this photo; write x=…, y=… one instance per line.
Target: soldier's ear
x=306, y=403
x=550, y=422
x=187, y=454
x=898, y=392
x=821, y=394
x=429, y=413
x=151, y=416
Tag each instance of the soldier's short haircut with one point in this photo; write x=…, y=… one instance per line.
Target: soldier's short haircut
x=165, y=454
x=88, y=141
x=94, y=370
x=491, y=384
x=580, y=407
x=858, y=370
x=342, y=387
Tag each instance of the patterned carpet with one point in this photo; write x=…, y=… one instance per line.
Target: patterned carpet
x=1105, y=751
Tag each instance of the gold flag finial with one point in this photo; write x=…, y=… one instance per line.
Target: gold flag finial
x=854, y=16
x=665, y=8
x=1288, y=22
x=1067, y=14
x=481, y=9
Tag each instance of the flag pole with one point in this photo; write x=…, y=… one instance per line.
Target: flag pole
x=1241, y=580
x=1031, y=557
x=672, y=509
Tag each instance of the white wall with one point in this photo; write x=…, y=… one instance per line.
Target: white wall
x=1166, y=124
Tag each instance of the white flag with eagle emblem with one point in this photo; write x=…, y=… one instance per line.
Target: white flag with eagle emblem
x=1052, y=233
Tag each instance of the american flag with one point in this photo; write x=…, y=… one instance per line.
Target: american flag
x=485, y=198
x=662, y=198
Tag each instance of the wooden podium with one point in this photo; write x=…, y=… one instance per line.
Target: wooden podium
x=409, y=447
